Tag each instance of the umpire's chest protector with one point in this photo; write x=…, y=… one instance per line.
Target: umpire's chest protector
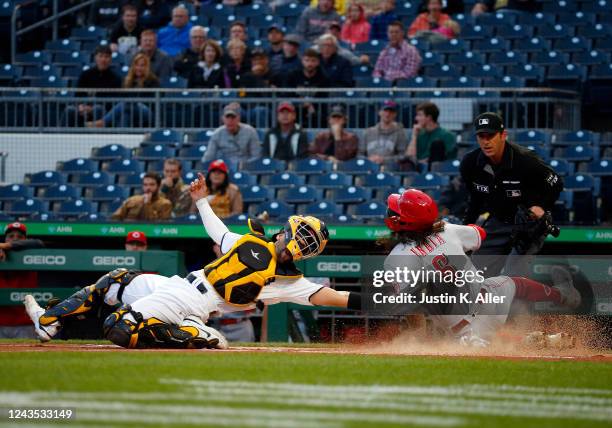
x=240, y=274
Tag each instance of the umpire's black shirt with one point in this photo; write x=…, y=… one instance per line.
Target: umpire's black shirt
x=521, y=178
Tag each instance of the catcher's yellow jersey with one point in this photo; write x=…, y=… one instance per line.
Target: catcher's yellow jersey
x=241, y=273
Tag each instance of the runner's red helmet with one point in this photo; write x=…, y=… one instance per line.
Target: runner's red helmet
x=412, y=211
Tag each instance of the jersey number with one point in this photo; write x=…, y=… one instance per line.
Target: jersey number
x=442, y=264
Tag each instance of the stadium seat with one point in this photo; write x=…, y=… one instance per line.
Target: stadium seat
x=351, y=195
x=173, y=82
x=192, y=153
x=264, y=166
x=450, y=167
x=428, y=181
x=581, y=183
x=507, y=58
x=462, y=82
x=9, y=74
x=533, y=44
x=527, y=71
x=255, y=194
x=110, y=152
x=88, y=33
x=532, y=137
x=243, y=179
x=450, y=47
x=466, y=58
x=369, y=210
x=476, y=32
x=91, y=179
x=593, y=57
x=15, y=191
x=300, y=195
x=555, y=31
x=536, y=19
x=165, y=136
x=33, y=58
x=417, y=82
x=63, y=45
x=310, y=166
x=275, y=209
x=133, y=182
x=156, y=152
x=358, y=166
x=571, y=73
x=284, y=180
x=331, y=180
x=431, y=58
x=493, y=44
x=322, y=208
x=549, y=58
x=602, y=71
x=371, y=47
x=339, y=219
x=557, y=6
x=561, y=166
x=124, y=166
x=600, y=168
x=576, y=137
x=287, y=10
x=107, y=193
x=74, y=209
x=573, y=44
x=576, y=153
x=541, y=150
x=509, y=82
x=380, y=180
x=25, y=207
x=597, y=31
x=77, y=166
x=442, y=71
x=60, y=192
x=44, y=178
x=575, y=19
x=516, y=31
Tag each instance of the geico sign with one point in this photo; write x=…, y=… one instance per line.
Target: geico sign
x=44, y=260
x=339, y=267
x=604, y=308
x=114, y=261
x=19, y=296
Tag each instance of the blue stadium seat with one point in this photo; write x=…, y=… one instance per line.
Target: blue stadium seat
x=124, y=166
x=110, y=152
x=450, y=167
x=372, y=82
x=33, y=58
x=371, y=47
x=310, y=166
x=507, y=58
x=75, y=208
x=26, y=207
x=362, y=70
x=287, y=10
x=107, y=193
x=255, y=194
x=442, y=71
x=275, y=209
x=358, y=166
x=322, y=208
x=173, y=82
x=508, y=82
x=529, y=72
x=577, y=153
x=6, y=9
x=604, y=44
x=74, y=58
x=43, y=216
x=96, y=178
x=15, y=191
x=211, y=9
x=577, y=137
x=9, y=74
x=259, y=24
x=573, y=44
x=243, y=179
x=595, y=6
x=555, y=31
x=60, y=192
x=581, y=183
x=512, y=32
x=166, y=136
x=339, y=219
x=192, y=153
x=265, y=166
x=417, y=82
x=593, y=57
x=600, y=168
x=570, y=72
x=428, y=181
x=380, y=180
x=450, y=47
x=557, y=6
x=476, y=32
x=300, y=195
x=536, y=19
x=431, y=58
x=549, y=58
x=541, y=150
x=133, y=182
x=49, y=82
x=462, y=82
x=493, y=44
x=368, y=210
x=579, y=18
x=63, y=45
x=602, y=71
x=44, y=178
x=284, y=180
x=532, y=136
x=561, y=166
x=533, y=44
x=331, y=180
x=156, y=152
x=88, y=33
x=596, y=31
x=466, y=58
x=351, y=195
x=585, y=189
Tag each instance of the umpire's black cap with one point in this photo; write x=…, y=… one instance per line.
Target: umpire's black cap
x=489, y=122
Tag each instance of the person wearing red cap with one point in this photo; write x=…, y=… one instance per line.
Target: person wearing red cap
x=286, y=141
x=224, y=197
x=136, y=241
x=14, y=322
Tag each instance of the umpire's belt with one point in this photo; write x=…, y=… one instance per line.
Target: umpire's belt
x=192, y=279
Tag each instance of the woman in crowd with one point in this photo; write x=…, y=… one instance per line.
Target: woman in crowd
x=224, y=197
x=428, y=21
x=237, y=66
x=356, y=28
x=208, y=73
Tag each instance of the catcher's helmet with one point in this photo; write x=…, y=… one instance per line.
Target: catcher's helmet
x=305, y=236
x=412, y=211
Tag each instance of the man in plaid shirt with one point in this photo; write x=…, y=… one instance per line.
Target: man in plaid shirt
x=399, y=60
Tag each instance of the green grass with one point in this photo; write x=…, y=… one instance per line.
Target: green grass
x=147, y=380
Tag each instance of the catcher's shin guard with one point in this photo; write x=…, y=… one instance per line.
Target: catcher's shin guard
x=128, y=329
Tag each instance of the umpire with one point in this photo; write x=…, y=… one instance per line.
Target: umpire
x=511, y=192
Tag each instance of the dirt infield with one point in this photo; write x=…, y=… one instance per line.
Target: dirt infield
x=572, y=355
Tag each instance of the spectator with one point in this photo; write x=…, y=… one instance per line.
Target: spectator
x=125, y=36
x=224, y=197
x=260, y=76
x=238, y=31
x=335, y=30
x=105, y=13
x=309, y=76
x=238, y=65
x=154, y=13
x=276, y=33
x=336, y=144
x=450, y=30
x=314, y=20
x=14, y=321
x=132, y=113
x=356, y=28
x=136, y=241
x=488, y=6
x=429, y=141
x=173, y=188
x=380, y=22
x=161, y=64
x=208, y=72
x=174, y=37
x=285, y=64
x=428, y=21
x=234, y=140
x=338, y=69
x=399, y=59
x=188, y=59
x=339, y=5
x=150, y=206
x=101, y=75
x=287, y=141
x=386, y=142
x=449, y=7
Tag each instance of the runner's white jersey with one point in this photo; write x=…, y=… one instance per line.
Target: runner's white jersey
x=441, y=251
x=139, y=287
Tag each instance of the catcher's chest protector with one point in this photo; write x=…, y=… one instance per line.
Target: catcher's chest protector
x=240, y=274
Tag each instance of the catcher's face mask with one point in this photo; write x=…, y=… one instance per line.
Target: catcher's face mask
x=305, y=236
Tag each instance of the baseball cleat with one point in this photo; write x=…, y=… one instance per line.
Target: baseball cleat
x=213, y=338
x=562, y=281
x=34, y=311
